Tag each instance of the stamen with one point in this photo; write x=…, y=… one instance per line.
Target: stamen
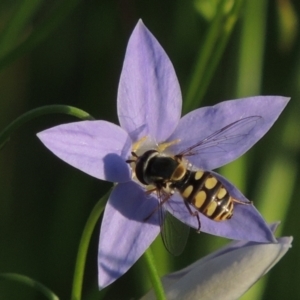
x=162, y=147
x=137, y=144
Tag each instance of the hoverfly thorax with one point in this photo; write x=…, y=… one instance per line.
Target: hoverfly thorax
x=158, y=169
x=202, y=191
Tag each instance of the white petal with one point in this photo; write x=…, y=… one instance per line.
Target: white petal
x=225, y=277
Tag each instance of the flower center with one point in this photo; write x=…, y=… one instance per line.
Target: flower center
x=142, y=151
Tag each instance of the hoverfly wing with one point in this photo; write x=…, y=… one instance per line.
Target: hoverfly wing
x=228, y=135
x=174, y=234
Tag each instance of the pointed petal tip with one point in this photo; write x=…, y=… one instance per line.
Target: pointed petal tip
x=147, y=78
x=98, y=148
x=233, y=123
x=139, y=28
x=120, y=249
x=289, y=241
x=140, y=23
x=285, y=100
x=235, y=268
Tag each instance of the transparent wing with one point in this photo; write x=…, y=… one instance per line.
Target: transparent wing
x=174, y=233
x=218, y=141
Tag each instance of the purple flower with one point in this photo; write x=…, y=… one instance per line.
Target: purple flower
x=225, y=274
x=149, y=108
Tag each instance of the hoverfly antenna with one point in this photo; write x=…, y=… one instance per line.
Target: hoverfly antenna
x=134, y=154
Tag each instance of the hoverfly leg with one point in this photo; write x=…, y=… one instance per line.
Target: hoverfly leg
x=242, y=202
x=129, y=161
x=161, y=202
x=152, y=213
x=148, y=192
x=194, y=214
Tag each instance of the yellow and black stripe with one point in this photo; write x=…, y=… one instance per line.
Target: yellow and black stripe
x=207, y=194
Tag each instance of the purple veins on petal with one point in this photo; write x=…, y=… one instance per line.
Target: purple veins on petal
x=246, y=223
x=149, y=105
x=149, y=96
x=98, y=148
x=225, y=274
x=125, y=234
x=205, y=121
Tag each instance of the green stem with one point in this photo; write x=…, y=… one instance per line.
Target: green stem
x=219, y=48
x=205, y=53
x=154, y=276
x=83, y=246
x=250, y=60
x=44, y=110
x=249, y=81
x=31, y=283
x=211, y=52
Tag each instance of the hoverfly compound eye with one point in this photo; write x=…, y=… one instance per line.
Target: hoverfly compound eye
x=201, y=191
x=141, y=165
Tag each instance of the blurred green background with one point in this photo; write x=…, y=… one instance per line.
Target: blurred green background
x=71, y=52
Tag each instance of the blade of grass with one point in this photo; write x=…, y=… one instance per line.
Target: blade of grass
x=83, y=246
x=251, y=62
x=11, y=33
x=37, y=112
x=41, y=33
x=211, y=52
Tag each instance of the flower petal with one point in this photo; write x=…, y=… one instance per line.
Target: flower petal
x=227, y=276
x=237, y=244
x=149, y=96
x=125, y=235
x=231, y=143
x=246, y=223
x=98, y=148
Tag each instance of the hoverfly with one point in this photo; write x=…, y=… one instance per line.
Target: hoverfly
x=199, y=189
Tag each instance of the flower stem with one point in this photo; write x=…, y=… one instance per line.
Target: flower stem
x=83, y=246
x=37, y=112
x=154, y=277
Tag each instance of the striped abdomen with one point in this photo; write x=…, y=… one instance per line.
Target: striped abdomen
x=207, y=194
